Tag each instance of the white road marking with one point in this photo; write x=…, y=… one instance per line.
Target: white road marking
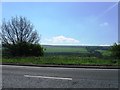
x=48, y=77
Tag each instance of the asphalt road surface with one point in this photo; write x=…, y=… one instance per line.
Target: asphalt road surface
x=52, y=77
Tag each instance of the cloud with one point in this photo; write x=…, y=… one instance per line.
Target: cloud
x=105, y=45
x=61, y=40
x=104, y=24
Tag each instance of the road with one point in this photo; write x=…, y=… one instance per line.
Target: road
x=52, y=77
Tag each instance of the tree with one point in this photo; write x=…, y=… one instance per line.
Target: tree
x=18, y=29
x=115, y=49
x=18, y=36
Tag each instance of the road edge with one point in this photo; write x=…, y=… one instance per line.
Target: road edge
x=64, y=66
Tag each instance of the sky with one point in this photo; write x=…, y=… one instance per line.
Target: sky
x=69, y=23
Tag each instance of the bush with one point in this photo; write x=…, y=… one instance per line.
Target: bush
x=115, y=49
x=23, y=49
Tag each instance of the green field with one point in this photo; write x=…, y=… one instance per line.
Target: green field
x=69, y=55
x=65, y=49
x=105, y=52
x=76, y=50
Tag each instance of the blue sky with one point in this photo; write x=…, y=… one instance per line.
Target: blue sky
x=69, y=23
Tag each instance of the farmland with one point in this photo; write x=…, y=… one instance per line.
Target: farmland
x=69, y=55
x=84, y=51
x=65, y=49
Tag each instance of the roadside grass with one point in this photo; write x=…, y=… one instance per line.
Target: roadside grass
x=62, y=60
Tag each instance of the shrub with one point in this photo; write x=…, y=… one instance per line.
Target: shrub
x=115, y=49
x=23, y=49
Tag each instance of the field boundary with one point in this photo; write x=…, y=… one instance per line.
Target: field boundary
x=65, y=66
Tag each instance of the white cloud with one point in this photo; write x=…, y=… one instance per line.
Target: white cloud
x=105, y=45
x=61, y=40
x=104, y=24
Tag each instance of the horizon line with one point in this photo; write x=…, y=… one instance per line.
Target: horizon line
x=72, y=45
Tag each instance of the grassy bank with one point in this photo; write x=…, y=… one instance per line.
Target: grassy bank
x=61, y=60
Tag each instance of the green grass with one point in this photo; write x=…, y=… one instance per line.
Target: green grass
x=61, y=60
x=66, y=49
x=105, y=52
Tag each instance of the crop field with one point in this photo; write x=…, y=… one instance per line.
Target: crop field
x=72, y=49
x=76, y=50
x=69, y=55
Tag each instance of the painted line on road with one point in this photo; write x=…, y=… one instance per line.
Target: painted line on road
x=48, y=77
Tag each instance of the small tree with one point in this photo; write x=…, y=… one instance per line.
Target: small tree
x=19, y=38
x=115, y=49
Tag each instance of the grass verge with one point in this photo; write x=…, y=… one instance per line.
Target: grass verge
x=62, y=60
